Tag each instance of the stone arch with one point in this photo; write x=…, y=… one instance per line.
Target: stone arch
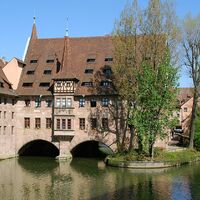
x=38, y=147
x=90, y=148
x=78, y=139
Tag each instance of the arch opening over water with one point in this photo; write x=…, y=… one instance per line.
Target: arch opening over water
x=39, y=148
x=89, y=149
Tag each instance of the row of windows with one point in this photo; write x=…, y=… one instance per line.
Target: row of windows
x=3, y=130
x=102, y=83
x=30, y=84
x=34, y=61
x=92, y=59
x=63, y=124
x=5, y=101
x=5, y=115
x=93, y=102
x=32, y=72
x=27, y=123
x=67, y=102
x=89, y=60
x=106, y=71
x=38, y=103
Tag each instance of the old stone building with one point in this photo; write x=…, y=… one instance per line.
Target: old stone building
x=59, y=97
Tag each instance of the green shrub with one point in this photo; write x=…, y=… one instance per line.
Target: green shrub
x=197, y=132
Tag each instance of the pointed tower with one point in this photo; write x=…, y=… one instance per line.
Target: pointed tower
x=34, y=30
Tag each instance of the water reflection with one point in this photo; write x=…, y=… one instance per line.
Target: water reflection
x=45, y=178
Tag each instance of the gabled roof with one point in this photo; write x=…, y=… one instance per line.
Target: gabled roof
x=6, y=89
x=68, y=54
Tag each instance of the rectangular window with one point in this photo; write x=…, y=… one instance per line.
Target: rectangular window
x=12, y=130
x=105, y=123
x=107, y=71
x=89, y=71
x=27, y=103
x=37, y=123
x=108, y=59
x=13, y=102
x=63, y=102
x=69, y=124
x=5, y=101
x=93, y=123
x=93, y=103
x=105, y=102
x=4, y=114
x=63, y=124
x=58, y=102
x=4, y=130
x=48, y=123
x=37, y=103
x=69, y=102
x=58, y=124
x=26, y=122
x=47, y=71
x=12, y=116
x=105, y=83
x=1, y=84
x=185, y=109
x=30, y=72
x=81, y=102
x=87, y=84
x=48, y=103
x=50, y=61
x=27, y=85
x=44, y=84
x=33, y=61
x=90, y=60
x=0, y=114
x=82, y=123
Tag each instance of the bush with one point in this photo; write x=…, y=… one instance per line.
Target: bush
x=197, y=134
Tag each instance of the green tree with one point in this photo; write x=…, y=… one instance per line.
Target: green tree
x=156, y=102
x=141, y=38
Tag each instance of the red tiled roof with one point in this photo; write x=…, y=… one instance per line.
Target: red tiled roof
x=71, y=53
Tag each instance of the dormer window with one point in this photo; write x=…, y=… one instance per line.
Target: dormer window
x=47, y=71
x=33, y=61
x=27, y=85
x=105, y=83
x=107, y=71
x=87, y=84
x=1, y=85
x=90, y=60
x=108, y=59
x=30, y=72
x=50, y=61
x=89, y=71
x=44, y=84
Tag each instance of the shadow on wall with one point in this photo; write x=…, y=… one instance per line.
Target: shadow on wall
x=39, y=148
x=88, y=149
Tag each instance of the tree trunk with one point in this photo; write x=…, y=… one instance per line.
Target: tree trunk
x=151, y=150
x=132, y=131
x=193, y=117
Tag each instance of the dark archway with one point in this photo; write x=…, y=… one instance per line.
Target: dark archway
x=39, y=148
x=88, y=149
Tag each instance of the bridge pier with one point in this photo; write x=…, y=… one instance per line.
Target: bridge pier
x=64, y=148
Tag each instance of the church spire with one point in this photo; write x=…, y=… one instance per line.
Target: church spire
x=34, y=31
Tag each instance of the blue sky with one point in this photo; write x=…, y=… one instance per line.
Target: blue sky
x=86, y=18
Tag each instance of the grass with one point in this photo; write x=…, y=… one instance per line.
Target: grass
x=161, y=155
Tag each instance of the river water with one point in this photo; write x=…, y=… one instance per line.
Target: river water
x=36, y=178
